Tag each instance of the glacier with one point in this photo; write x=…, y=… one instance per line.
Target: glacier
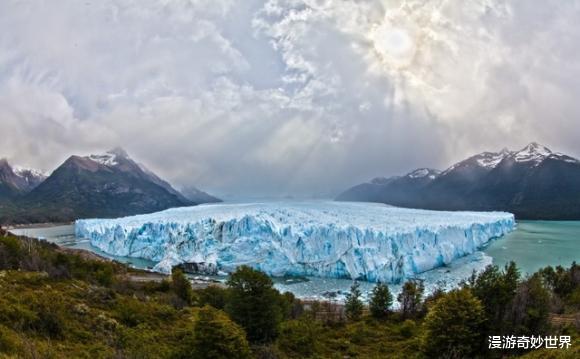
x=363, y=241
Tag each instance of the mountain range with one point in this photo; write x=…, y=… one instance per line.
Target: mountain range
x=106, y=185
x=532, y=183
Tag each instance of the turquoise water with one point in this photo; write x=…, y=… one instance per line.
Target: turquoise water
x=536, y=244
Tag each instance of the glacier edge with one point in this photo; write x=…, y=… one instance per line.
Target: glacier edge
x=363, y=241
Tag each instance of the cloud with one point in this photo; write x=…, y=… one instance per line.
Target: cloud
x=286, y=96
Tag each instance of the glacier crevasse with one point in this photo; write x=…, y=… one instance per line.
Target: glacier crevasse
x=363, y=241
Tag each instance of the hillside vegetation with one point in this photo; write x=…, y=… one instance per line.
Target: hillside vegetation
x=60, y=304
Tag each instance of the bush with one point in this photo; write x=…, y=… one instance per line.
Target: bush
x=454, y=326
x=215, y=336
x=9, y=342
x=298, y=338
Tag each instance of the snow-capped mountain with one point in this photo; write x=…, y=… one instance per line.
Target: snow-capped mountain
x=533, y=182
x=15, y=181
x=101, y=185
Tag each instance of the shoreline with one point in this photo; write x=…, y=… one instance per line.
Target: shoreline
x=36, y=225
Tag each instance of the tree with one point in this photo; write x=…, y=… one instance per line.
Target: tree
x=254, y=304
x=530, y=308
x=381, y=301
x=410, y=298
x=496, y=290
x=181, y=285
x=212, y=295
x=353, y=305
x=454, y=326
x=215, y=336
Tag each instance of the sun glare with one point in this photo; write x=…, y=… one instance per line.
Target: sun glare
x=395, y=45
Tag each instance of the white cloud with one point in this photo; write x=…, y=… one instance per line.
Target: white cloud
x=286, y=96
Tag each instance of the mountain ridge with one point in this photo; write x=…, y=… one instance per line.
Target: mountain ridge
x=103, y=185
x=532, y=183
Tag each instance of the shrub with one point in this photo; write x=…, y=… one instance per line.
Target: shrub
x=298, y=338
x=9, y=342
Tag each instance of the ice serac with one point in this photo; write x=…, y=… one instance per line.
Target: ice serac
x=326, y=239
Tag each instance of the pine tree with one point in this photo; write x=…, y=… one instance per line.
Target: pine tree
x=353, y=305
x=381, y=301
x=410, y=298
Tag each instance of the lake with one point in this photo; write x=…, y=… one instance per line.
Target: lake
x=533, y=245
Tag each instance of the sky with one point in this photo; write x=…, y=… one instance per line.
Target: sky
x=286, y=97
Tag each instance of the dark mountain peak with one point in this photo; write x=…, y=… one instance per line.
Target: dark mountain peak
x=4, y=164
x=84, y=163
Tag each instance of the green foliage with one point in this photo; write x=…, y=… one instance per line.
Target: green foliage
x=298, y=338
x=496, y=290
x=353, y=305
x=454, y=326
x=215, y=336
x=254, y=304
x=380, y=301
x=408, y=328
x=10, y=252
x=181, y=286
x=410, y=298
x=530, y=307
x=564, y=283
x=9, y=341
x=60, y=304
x=213, y=295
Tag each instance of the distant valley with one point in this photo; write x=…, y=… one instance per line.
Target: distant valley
x=533, y=183
x=106, y=185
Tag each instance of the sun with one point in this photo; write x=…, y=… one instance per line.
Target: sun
x=395, y=44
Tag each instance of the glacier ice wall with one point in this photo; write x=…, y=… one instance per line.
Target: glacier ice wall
x=326, y=239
